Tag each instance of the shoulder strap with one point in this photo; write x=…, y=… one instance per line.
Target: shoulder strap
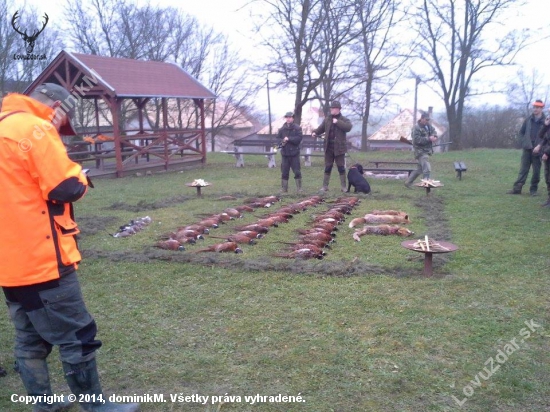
x=9, y=114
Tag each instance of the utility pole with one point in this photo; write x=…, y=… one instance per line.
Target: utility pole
x=269, y=106
x=417, y=80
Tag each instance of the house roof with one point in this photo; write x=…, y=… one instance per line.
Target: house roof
x=127, y=78
x=401, y=125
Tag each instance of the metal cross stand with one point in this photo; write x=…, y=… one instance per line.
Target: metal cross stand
x=199, y=185
x=429, y=185
x=428, y=247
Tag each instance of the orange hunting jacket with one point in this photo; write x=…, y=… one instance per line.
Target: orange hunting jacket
x=38, y=182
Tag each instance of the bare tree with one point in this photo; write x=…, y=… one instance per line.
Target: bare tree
x=455, y=43
x=525, y=88
x=17, y=67
x=122, y=29
x=9, y=42
x=379, y=63
x=305, y=39
x=492, y=127
x=226, y=79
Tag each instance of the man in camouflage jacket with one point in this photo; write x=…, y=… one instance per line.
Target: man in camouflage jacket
x=423, y=137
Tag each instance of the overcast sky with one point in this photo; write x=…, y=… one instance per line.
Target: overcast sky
x=229, y=17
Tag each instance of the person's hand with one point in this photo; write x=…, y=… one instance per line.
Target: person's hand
x=313, y=134
x=544, y=157
x=285, y=139
x=433, y=139
x=547, y=120
x=334, y=120
x=536, y=150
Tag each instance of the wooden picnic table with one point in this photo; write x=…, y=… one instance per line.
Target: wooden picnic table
x=392, y=162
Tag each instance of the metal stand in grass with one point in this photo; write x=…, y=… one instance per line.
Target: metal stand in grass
x=428, y=247
x=199, y=185
x=429, y=184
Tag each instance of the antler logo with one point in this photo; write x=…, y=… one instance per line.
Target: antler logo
x=28, y=39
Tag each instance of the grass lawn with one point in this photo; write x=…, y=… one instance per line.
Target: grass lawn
x=360, y=330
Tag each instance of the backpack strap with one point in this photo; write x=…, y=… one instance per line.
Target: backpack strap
x=9, y=114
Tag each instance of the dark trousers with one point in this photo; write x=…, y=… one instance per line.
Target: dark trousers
x=291, y=162
x=547, y=175
x=330, y=158
x=528, y=159
x=52, y=313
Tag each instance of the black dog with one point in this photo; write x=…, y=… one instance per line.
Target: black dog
x=356, y=179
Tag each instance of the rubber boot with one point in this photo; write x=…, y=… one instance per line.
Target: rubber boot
x=426, y=176
x=83, y=380
x=299, y=185
x=343, y=186
x=326, y=179
x=547, y=203
x=284, y=186
x=36, y=378
x=411, y=179
x=516, y=190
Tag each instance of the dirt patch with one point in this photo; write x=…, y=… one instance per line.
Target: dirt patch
x=300, y=267
x=143, y=205
x=433, y=212
x=90, y=225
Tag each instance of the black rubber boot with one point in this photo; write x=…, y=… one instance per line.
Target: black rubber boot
x=83, y=379
x=299, y=185
x=326, y=179
x=284, y=186
x=36, y=378
x=343, y=185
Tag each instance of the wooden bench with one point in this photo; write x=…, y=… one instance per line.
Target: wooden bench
x=392, y=170
x=377, y=163
x=270, y=151
x=460, y=167
x=384, y=163
x=239, y=152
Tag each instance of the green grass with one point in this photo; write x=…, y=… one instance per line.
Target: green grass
x=361, y=330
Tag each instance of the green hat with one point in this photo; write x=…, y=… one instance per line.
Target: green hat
x=289, y=114
x=57, y=92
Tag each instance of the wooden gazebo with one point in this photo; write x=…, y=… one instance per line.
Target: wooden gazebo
x=113, y=80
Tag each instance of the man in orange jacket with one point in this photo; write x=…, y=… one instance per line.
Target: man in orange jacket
x=38, y=248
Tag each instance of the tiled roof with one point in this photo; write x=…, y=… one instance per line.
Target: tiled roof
x=140, y=78
x=401, y=125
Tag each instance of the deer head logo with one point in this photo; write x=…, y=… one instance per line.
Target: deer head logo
x=28, y=39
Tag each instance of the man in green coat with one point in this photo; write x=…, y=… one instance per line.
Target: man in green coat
x=423, y=137
x=335, y=128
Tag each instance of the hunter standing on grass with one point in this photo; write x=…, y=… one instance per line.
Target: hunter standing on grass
x=544, y=148
x=38, y=248
x=290, y=137
x=335, y=128
x=528, y=138
x=423, y=138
